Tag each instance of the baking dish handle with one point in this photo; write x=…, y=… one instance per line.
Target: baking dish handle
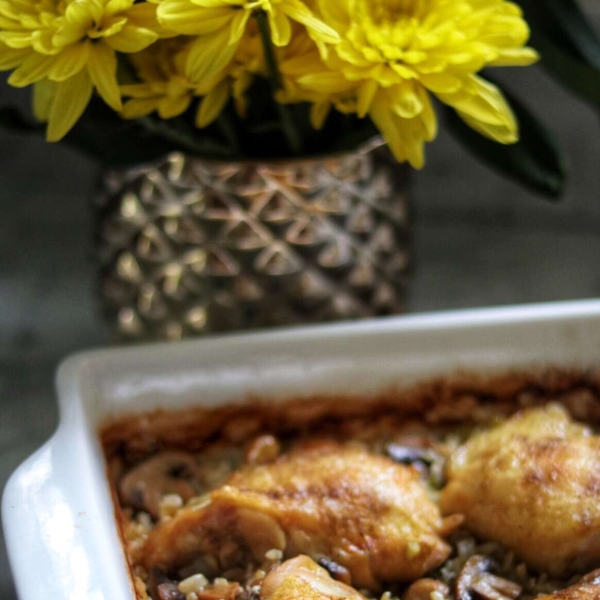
x=52, y=521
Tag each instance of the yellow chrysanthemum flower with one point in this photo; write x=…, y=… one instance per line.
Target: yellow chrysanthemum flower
x=68, y=49
x=220, y=25
x=395, y=54
x=166, y=89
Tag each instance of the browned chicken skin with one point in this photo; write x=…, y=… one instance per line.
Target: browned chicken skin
x=587, y=589
x=323, y=499
x=532, y=484
x=302, y=579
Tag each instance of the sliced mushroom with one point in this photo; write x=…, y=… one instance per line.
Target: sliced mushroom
x=168, y=591
x=475, y=579
x=167, y=473
x=425, y=459
x=409, y=455
x=336, y=571
x=422, y=589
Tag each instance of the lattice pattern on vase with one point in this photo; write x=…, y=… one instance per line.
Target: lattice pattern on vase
x=189, y=246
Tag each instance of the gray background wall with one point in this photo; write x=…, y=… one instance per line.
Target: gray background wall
x=479, y=240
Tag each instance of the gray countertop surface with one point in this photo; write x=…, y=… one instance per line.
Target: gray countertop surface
x=480, y=240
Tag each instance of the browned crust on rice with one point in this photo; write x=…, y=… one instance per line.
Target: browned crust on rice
x=462, y=398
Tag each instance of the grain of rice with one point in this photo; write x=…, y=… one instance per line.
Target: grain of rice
x=258, y=574
x=145, y=520
x=274, y=554
x=169, y=505
x=199, y=502
x=193, y=584
x=140, y=588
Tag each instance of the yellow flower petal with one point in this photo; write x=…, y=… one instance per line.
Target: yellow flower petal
x=144, y=15
x=281, y=28
x=70, y=101
x=520, y=57
x=502, y=134
x=336, y=14
x=82, y=15
x=32, y=69
x=485, y=103
x=131, y=39
x=405, y=101
x=188, y=18
x=173, y=107
x=138, y=90
x=415, y=144
x=327, y=82
x=319, y=113
x=388, y=126
x=102, y=69
x=68, y=34
x=109, y=28
x=405, y=137
x=136, y=108
x=428, y=118
x=486, y=111
x=11, y=58
x=16, y=39
x=43, y=96
x=114, y=7
x=441, y=83
x=298, y=11
x=69, y=62
x=238, y=26
x=212, y=104
x=43, y=43
x=366, y=94
x=209, y=54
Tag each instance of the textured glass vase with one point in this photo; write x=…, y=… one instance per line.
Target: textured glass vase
x=188, y=246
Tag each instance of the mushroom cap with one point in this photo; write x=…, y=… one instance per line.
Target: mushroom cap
x=144, y=486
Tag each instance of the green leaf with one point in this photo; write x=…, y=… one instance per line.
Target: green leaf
x=577, y=28
x=569, y=46
x=535, y=161
x=103, y=135
x=573, y=73
x=563, y=22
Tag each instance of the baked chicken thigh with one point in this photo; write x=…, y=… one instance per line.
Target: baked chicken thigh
x=532, y=484
x=302, y=579
x=326, y=500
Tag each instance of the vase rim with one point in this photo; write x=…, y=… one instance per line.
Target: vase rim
x=370, y=145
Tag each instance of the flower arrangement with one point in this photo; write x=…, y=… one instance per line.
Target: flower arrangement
x=131, y=80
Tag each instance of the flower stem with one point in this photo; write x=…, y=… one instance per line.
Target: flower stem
x=227, y=127
x=287, y=122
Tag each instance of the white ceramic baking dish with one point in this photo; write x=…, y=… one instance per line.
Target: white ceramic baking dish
x=57, y=510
